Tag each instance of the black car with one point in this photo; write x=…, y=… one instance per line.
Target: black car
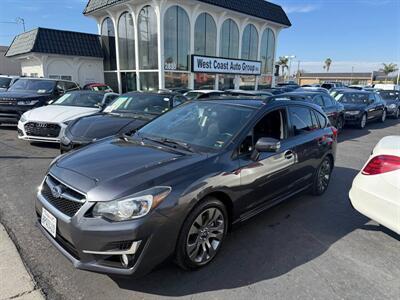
x=249, y=93
x=333, y=109
x=28, y=93
x=361, y=107
x=125, y=204
x=127, y=113
x=392, y=99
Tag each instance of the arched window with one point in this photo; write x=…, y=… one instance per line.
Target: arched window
x=126, y=39
x=108, y=44
x=267, y=51
x=205, y=35
x=229, y=39
x=250, y=43
x=147, y=35
x=176, y=39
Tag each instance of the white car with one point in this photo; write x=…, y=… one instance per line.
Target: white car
x=376, y=189
x=47, y=123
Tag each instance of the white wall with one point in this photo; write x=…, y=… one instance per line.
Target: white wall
x=32, y=66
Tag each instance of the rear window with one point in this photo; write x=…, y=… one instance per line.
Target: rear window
x=5, y=82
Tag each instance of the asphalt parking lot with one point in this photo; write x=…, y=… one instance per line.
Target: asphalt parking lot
x=306, y=248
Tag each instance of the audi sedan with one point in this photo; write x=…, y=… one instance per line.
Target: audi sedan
x=126, y=203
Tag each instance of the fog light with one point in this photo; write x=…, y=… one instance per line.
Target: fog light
x=126, y=260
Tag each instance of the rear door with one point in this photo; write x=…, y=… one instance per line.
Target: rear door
x=373, y=107
x=331, y=109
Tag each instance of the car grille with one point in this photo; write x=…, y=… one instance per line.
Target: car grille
x=69, y=202
x=7, y=102
x=42, y=129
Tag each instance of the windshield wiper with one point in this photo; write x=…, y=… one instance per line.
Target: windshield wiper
x=182, y=145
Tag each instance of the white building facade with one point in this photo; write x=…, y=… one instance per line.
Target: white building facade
x=150, y=45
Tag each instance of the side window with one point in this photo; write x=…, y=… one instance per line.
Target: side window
x=318, y=100
x=178, y=100
x=61, y=86
x=372, y=98
x=109, y=99
x=70, y=86
x=328, y=101
x=321, y=119
x=273, y=125
x=301, y=119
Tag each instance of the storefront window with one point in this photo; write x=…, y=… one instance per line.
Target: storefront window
x=149, y=81
x=267, y=51
x=226, y=82
x=176, y=80
x=247, y=82
x=264, y=82
x=108, y=45
x=176, y=39
x=229, y=40
x=205, y=35
x=148, y=45
x=204, y=81
x=126, y=39
x=128, y=80
x=111, y=79
x=250, y=43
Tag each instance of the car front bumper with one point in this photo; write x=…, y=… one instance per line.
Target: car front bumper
x=95, y=244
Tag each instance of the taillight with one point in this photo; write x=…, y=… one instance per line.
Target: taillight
x=334, y=131
x=382, y=164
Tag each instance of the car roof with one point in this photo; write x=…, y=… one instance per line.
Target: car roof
x=160, y=93
x=205, y=91
x=9, y=76
x=47, y=79
x=302, y=93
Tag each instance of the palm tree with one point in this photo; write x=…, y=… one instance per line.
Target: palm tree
x=328, y=63
x=283, y=62
x=389, y=68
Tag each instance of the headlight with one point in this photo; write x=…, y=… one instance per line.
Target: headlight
x=27, y=102
x=23, y=119
x=133, y=207
x=354, y=112
x=392, y=106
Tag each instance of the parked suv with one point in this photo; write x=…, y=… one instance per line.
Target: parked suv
x=125, y=204
x=7, y=81
x=127, y=113
x=28, y=93
x=362, y=107
x=333, y=109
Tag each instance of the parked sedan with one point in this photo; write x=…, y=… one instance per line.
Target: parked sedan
x=376, y=189
x=125, y=204
x=128, y=112
x=333, y=109
x=362, y=107
x=47, y=123
x=392, y=99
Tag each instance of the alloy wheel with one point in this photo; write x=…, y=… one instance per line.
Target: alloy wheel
x=363, y=121
x=324, y=175
x=384, y=116
x=205, y=236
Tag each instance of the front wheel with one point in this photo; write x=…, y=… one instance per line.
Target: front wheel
x=340, y=123
x=322, y=177
x=397, y=113
x=202, y=234
x=363, y=121
x=383, y=118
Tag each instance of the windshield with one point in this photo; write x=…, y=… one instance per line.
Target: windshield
x=204, y=124
x=33, y=85
x=102, y=88
x=352, y=98
x=4, y=82
x=80, y=99
x=390, y=95
x=140, y=103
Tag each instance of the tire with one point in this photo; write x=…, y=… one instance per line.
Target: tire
x=322, y=177
x=340, y=123
x=200, y=238
x=384, y=115
x=363, y=121
x=396, y=114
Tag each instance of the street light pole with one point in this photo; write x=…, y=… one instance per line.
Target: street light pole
x=20, y=20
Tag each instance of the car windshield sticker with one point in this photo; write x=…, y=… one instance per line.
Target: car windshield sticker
x=117, y=103
x=41, y=91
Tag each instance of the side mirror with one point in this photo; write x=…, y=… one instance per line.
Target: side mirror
x=268, y=145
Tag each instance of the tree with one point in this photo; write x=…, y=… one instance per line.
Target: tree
x=389, y=68
x=327, y=65
x=283, y=62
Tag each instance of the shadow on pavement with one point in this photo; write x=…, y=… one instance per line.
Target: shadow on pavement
x=268, y=246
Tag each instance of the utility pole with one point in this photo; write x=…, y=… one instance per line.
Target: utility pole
x=298, y=72
x=20, y=20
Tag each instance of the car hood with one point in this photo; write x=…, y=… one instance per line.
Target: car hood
x=58, y=113
x=350, y=106
x=119, y=167
x=23, y=95
x=103, y=125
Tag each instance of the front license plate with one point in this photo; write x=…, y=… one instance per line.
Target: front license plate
x=49, y=222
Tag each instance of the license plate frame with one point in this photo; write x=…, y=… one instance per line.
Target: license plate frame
x=49, y=222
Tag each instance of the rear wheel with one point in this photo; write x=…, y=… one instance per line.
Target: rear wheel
x=396, y=114
x=363, y=121
x=202, y=234
x=340, y=123
x=322, y=177
x=383, y=118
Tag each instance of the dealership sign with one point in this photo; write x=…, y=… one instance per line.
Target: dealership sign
x=207, y=64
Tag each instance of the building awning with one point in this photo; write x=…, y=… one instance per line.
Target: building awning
x=52, y=41
x=256, y=8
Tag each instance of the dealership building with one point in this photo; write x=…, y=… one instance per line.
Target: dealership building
x=196, y=44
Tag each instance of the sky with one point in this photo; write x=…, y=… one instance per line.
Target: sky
x=355, y=34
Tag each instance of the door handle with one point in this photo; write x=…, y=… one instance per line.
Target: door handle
x=289, y=154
